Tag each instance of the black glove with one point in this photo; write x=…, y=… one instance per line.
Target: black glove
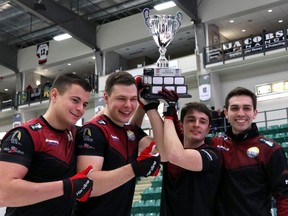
x=170, y=99
x=147, y=163
x=146, y=104
x=78, y=186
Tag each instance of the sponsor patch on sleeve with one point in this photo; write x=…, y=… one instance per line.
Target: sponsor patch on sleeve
x=267, y=142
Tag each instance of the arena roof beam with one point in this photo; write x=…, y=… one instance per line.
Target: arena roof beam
x=79, y=28
x=190, y=7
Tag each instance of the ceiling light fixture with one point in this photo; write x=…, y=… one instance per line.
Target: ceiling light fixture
x=62, y=37
x=231, y=21
x=280, y=21
x=164, y=5
x=243, y=30
x=270, y=10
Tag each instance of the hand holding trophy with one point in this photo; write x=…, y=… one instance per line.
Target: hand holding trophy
x=163, y=29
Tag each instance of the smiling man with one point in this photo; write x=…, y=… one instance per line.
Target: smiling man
x=111, y=145
x=37, y=159
x=255, y=168
x=191, y=168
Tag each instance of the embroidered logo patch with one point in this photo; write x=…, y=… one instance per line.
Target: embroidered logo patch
x=16, y=137
x=131, y=135
x=36, y=126
x=267, y=142
x=253, y=152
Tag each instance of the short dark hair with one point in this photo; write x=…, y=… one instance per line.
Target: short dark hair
x=239, y=91
x=63, y=81
x=195, y=106
x=118, y=78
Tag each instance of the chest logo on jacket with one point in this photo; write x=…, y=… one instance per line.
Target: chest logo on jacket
x=253, y=152
x=131, y=135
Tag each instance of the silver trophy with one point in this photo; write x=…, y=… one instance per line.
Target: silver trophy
x=163, y=29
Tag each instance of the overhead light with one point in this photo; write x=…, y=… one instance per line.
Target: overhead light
x=270, y=10
x=62, y=37
x=280, y=21
x=231, y=21
x=6, y=89
x=164, y=5
x=243, y=30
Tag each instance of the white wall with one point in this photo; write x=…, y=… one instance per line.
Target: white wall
x=211, y=10
x=59, y=51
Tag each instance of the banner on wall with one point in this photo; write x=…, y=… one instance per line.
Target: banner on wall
x=204, y=87
x=42, y=53
x=259, y=43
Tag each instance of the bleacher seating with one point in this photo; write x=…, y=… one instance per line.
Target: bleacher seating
x=272, y=129
x=157, y=181
x=138, y=214
x=147, y=193
x=149, y=205
x=151, y=214
x=138, y=207
x=283, y=128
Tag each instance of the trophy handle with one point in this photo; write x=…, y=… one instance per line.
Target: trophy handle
x=179, y=18
x=146, y=13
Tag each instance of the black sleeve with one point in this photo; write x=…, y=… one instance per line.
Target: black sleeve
x=211, y=159
x=141, y=133
x=17, y=147
x=277, y=172
x=90, y=140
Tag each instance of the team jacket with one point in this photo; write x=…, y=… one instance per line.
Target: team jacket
x=119, y=146
x=255, y=169
x=49, y=155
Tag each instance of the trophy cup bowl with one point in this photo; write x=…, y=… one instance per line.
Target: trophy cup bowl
x=163, y=29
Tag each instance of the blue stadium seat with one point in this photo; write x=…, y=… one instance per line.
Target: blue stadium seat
x=151, y=214
x=280, y=137
x=139, y=214
x=157, y=181
x=137, y=207
x=272, y=129
x=150, y=206
x=157, y=192
x=262, y=130
x=283, y=127
x=147, y=193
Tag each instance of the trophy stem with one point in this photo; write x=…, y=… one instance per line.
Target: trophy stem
x=162, y=62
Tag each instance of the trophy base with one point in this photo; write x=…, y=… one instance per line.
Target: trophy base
x=157, y=96
x=155, y=79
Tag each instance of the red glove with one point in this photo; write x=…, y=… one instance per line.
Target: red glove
x=146, y=104
x=147, y=163
x=78, y=186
